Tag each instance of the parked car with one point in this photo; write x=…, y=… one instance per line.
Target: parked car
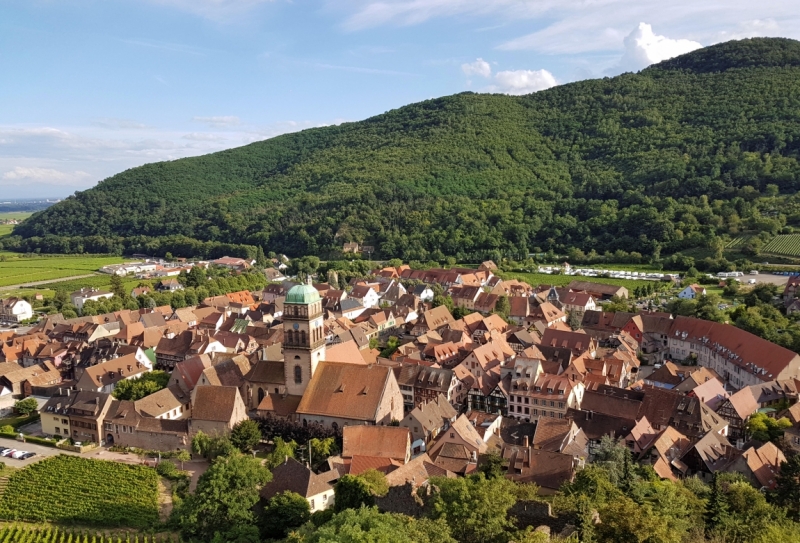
x=3, y=450
x=18, y=454
x=28, y=455
x=8, y=452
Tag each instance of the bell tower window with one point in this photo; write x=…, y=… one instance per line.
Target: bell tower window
x=298, y=374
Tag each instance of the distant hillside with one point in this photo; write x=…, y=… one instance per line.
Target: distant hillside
x=671, y=158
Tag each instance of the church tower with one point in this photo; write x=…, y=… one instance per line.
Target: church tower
x=303, y=336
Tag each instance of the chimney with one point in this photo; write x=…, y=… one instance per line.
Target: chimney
x=525, y=442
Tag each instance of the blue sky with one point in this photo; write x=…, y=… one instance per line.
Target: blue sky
x=90, y=88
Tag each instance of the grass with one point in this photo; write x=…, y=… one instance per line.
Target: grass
x=16, y=268
x=75, y=490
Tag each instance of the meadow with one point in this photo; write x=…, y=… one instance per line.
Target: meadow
x=74, y=490
x=6, y=229
x=17, y=268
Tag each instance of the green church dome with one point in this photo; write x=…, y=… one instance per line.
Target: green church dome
x=302, y=294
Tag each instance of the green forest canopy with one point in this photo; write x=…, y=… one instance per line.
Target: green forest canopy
x=678, y=156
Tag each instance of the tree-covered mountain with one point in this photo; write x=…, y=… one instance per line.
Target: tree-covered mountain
x=677, y=156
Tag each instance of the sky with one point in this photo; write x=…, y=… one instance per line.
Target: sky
x=89, y=88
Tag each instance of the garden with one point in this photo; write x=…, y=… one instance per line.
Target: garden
x=73, y=490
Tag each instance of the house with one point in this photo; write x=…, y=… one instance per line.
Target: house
x=599, y=291
x=169, y=285
x=577, y=303
x=235, y=264
x=738, y=357
x=760, y=466
x=547, y=469
x=790, y=290
x=216, y=410
x=341, y=394
x=691, y=292
x=15, y=310
x=350, y=247
x=274, y=275
x=124, y=426
x=105, y=376
x=387, y=442
x=78, y=415
x=545, y=395
x=421, y=384
x=292, y=476
x=80, y=297
x=737, y=410
x=168, y=403
x=432, y=319
x=457, y=449
x=365, y=295
x=425, y=422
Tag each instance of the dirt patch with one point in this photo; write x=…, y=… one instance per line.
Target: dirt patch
x=164, y=499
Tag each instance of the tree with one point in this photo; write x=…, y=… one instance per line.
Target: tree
x=787, y=490
x=211, y=447
x=352, y=492
x=764, y=428
x=118, y=287
x=281, y=450
x=138, y=388
x=321, y=448
x=246, y=435
x=284, y=512
x=376, y=481
x=573, y=320
x=492, y=465
x=475, y=508
x=26, y=407
x=392, y=344
x=368, y=525
x=225, y=496
x=183, y=456
x=503, y=306
x=61, y=299
x=373, y=342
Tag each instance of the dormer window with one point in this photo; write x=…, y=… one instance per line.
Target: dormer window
x=549, y=390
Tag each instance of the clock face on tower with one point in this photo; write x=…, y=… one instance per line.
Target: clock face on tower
x=296, y=326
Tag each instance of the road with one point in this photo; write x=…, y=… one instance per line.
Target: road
x=37, y=283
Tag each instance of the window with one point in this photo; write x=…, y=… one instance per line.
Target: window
x=535, y=401
x=535, y=411
x=526, y=400
x=561, y=405
x=64, y=421
x=561, y=415
x=324, y=498
x=527, y=411
x=312, y=504
x=452, y=435
x=58, y=430
x=549, y=390
x=298, y=374
x=552, y=404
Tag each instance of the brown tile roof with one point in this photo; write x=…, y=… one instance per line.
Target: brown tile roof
x=437, y=317
x=295, y=477
x=266, y=371
x=161, y=402
x=545, y=468
x=383, y=441
x=346, y=351
x=115, y=370
x=282, y=405
x=753, y=354
x=743, y=403
x=214, y=403
x=229, y=372
x=550, y=433
x=765, y=463
x=348, y=391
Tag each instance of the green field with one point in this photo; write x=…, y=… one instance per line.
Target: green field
x=81, y=491
x=535, y=279
x=738, y=243
x=6, y=229
x=783, y=245
x=16, y=268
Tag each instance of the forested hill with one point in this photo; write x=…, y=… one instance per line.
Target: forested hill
x=679, y=155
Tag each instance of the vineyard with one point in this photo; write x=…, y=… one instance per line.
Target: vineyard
x=783, y=245
x=50, y=534
x=74, y=490
x=16, y=268
x=738, y=243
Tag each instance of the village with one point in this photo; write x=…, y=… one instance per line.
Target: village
x=537, y=376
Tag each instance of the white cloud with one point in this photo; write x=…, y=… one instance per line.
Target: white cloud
x=522, y=81
x=643, y=48
x=46, y=175
x=118, y=124
x=203, y=136
x=479, y=67
x=219, y=121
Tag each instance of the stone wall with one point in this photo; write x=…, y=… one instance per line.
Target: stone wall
x=155, y=441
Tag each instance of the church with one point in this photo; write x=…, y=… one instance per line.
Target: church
x=308, y=388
